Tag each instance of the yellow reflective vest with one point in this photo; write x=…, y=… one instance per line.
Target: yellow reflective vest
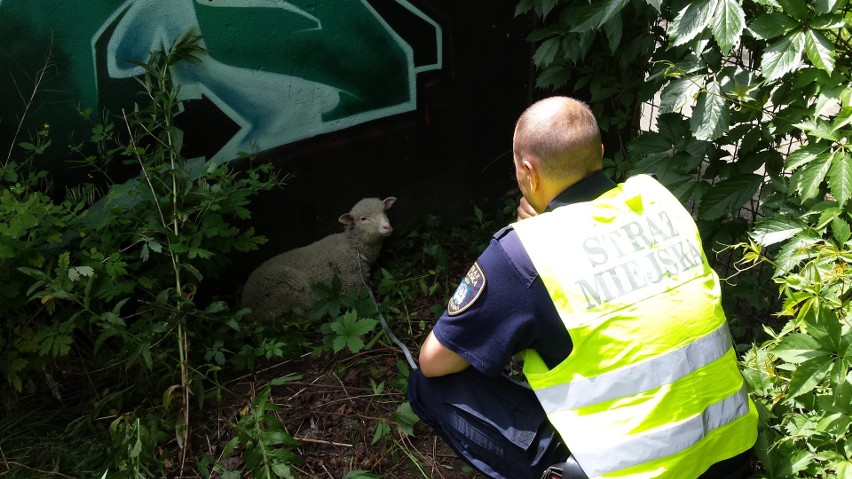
x=651, y=388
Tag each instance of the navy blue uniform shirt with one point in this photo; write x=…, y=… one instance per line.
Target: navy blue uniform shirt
x=502, y=307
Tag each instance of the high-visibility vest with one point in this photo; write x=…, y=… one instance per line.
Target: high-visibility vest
x=651, y=388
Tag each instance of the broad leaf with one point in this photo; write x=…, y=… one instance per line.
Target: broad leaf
x=805, y=155
x=840, y=177
x=690, y=21
x=614, y=30
x=728, y=195
x=775, y=230
x=796, y=8
x=798, y=348
x=655, y=3
x=711, y=117
x=597, y=13
x=727, y=24
x=546, y=52
x=807, y=179
x=771, y=25
x=819, y=50
x=808, y=375
x=783, y=56
x=680, y=93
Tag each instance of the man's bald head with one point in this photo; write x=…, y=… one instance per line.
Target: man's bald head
x=561, y=133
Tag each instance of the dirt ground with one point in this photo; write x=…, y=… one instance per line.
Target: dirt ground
x=333, y=411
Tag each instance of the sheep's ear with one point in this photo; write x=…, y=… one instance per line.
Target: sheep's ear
x=389, y=201
x=346, y=218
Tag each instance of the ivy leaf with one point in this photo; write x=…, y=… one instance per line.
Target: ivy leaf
x=727, y=24
x=783, y=56
x=819, y=50
x=690, y=21
x=807, y=180
x=711, y=117
x=777, y=229
x=728, y=195
x=808, y=375
x=840, y=177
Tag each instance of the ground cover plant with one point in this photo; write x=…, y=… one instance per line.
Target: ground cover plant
x=748, y=107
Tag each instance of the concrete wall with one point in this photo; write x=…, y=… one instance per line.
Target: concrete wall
x=408, y=98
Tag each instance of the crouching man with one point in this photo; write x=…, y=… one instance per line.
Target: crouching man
x=604, y=292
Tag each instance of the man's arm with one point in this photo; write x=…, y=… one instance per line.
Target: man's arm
x=439, y=360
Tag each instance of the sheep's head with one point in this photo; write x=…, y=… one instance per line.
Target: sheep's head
x=368, y=219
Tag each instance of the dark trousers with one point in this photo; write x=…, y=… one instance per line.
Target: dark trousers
x=494, y=424
x=498, y=426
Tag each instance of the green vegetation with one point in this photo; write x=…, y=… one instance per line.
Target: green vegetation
x=752, y=107
x=114, y=367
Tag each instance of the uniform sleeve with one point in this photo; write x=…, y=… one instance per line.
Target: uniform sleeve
x=489, y=322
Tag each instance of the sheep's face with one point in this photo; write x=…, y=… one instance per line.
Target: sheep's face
x=368, y=218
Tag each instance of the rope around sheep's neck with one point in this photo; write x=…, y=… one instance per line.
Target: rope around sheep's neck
x=385, y=326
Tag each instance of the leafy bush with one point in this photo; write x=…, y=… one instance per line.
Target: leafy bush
x=750, y=106
x=108, y=282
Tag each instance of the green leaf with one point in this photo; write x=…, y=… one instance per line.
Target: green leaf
x=728, y=195
x=711, y=117
x=727, y=24
x=776, y=229
x=805, y=155
x=771, y=25
x=690, y=22
x=795, y=8
x=807, y=179
x=405, y=418
x=381, y=431
x=819, y=50
x=655, y=3
x=593, y=16
x=613, y=30
x=840, y=177
x=546, y=52
x=77, y=271
x=783, y=56
x=361, y=474
x=840, y=230
x=680, y=93
x=798, y=348
x=808, y=375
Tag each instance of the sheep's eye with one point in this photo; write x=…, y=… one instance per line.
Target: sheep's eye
x=364, y=218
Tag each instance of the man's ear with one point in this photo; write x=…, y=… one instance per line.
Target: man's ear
x=602, y=150
x=532, y=174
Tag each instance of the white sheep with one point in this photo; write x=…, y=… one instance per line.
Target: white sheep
x=285, y=280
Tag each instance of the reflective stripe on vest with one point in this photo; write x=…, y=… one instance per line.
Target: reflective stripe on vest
x=634, y=379
x=651, y=388
x=608, y=456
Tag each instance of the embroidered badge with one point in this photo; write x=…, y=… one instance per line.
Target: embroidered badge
x=468, y=291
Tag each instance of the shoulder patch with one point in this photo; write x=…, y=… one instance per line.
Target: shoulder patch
x=468, y=291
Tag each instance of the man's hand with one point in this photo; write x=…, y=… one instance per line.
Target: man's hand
x=525, y=210
x=439, y=360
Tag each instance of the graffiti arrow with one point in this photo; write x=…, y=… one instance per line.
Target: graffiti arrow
x=206, y=128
